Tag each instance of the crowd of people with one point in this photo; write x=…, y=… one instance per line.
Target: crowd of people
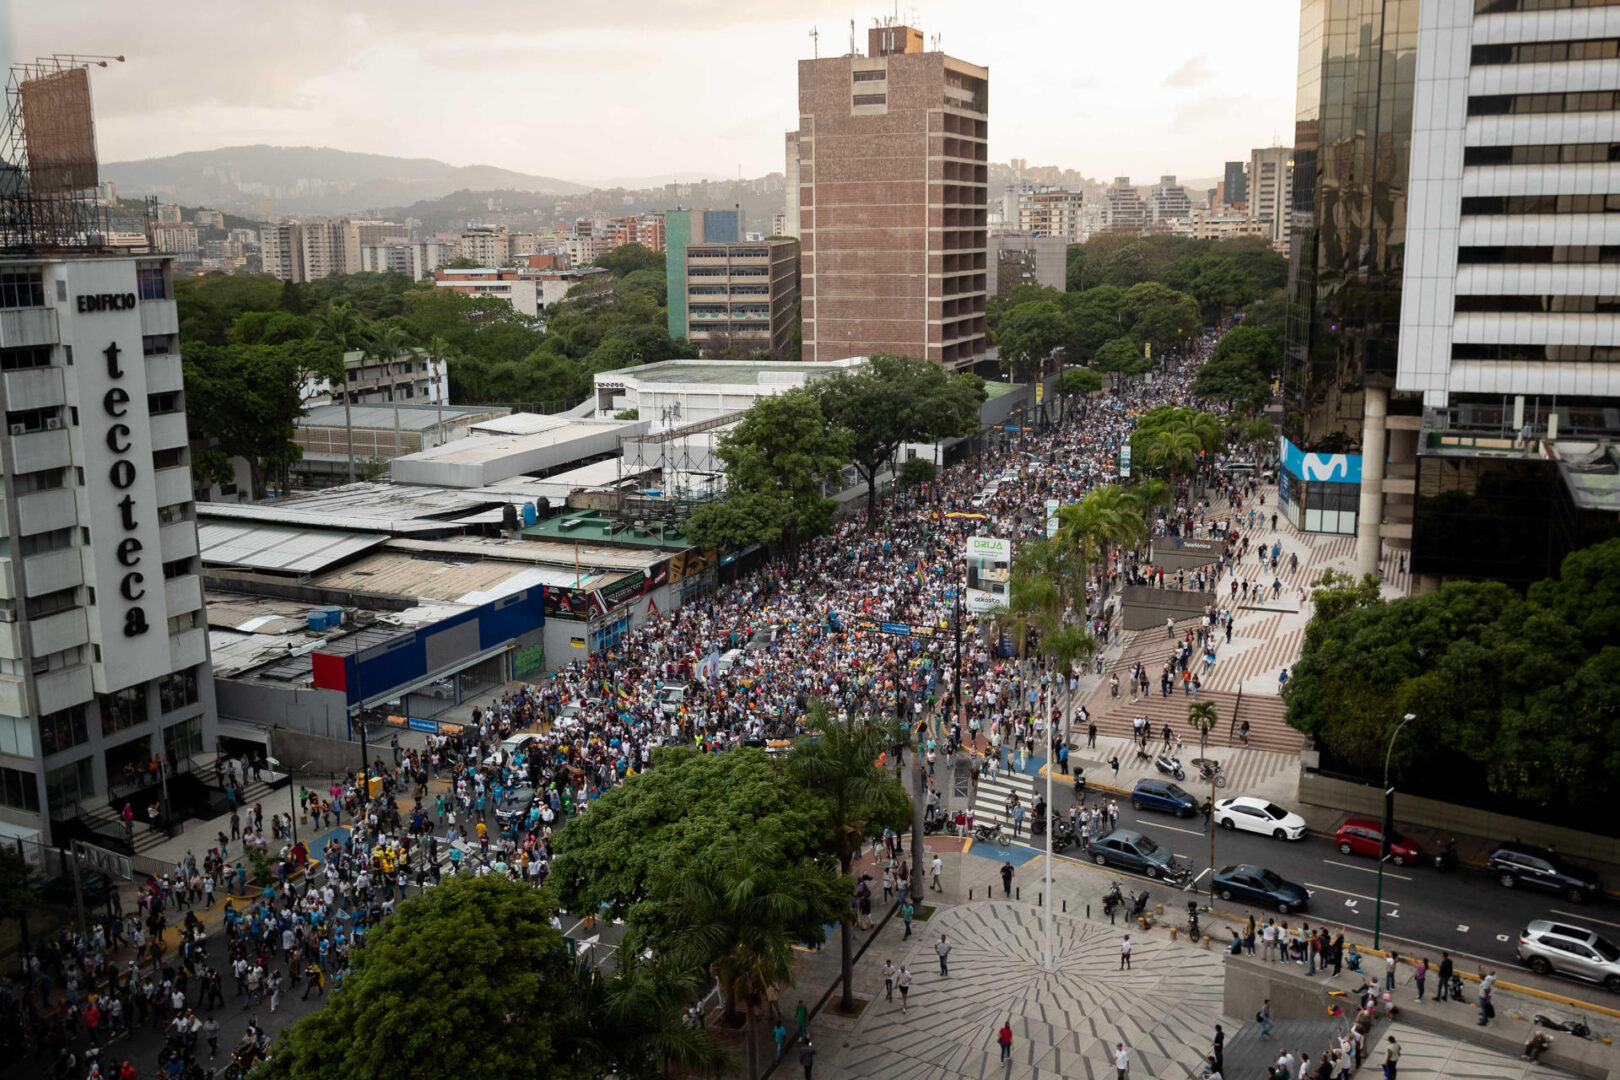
x=802, y=625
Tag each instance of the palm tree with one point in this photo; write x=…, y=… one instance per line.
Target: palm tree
x=344, y=328
x=1176, y=452
x=389, y=346
x=836, y=761
x=1151, y=496
x=1105, y=517
x=1202, y=717
x=740, y=920
x=634, y=1024
x=438, y=356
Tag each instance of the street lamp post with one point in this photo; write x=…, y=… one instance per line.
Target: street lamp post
x=1389, y=822
x=292, y=801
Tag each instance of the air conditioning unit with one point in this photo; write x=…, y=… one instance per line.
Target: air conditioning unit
x=19, y=429
x=53, y=423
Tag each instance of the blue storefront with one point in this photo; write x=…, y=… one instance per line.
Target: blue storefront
x=1319, y=492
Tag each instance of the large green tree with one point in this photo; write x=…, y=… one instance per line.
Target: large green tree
x=683, y=812
x=1161, y=316
x=627, y=259
x=776, y=459
x=896, y=399
x=469, y=979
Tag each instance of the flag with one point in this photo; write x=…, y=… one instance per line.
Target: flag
x=624, y=695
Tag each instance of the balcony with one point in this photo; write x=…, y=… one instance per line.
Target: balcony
x=42, y=511
x=57, y=690
x=169, y=431
x=188, y=649
x=8, y=580
x=14, y=696
x=34, y=388
x=56, y=632
x=163, y=373
x=40, y=450
x=22, y=327
x=178, y=541
x=53, y=570
x=11, y=640
x=173, y=485
x=183, y=594
x=159, y=317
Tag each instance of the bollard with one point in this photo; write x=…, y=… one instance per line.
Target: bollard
x=1018, y=892
x=1066, y=905
x=1040, y=899
x=970, y=893
x=1172, y=933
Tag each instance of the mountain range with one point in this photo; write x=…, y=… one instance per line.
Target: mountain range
x=263, y=181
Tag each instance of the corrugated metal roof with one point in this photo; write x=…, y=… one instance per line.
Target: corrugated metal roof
x=273, y=547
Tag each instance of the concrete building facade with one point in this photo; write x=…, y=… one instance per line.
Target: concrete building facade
x=893, y=212
x=1124, y=209
x=736, y=295
x=1167, y=201
x=1271, y=188
x=1051, y=212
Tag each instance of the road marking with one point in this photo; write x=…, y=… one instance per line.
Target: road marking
x=1502, y=937
x=1367, y=870
x=1461, y=929
x=1351, y=903
x=1177, y=828
x=1583, y=918
x=1342, y=892
x=1200, y=876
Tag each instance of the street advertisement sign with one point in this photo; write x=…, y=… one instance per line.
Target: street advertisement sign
x=989, y=570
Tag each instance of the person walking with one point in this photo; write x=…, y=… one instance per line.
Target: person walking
x=1125, y=954
x=903, y=981
x=934, y=869
x=1122, y=1062
x=1264, y=1016
x=807, y=1057
x=801, y=1015
x=1006, y=878
x=1420, y=973
x=1004, y=1037
x=906, y=913
x=943, y=948
x=1442, y=992
x=1392, y=1058
x=1486, y=1009
x=1218, y=1049
x=779, y=1034
x=888, y=980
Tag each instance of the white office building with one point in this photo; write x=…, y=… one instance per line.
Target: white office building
x=104, y=660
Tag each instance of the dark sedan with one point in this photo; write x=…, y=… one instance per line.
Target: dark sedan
x=1261, y=887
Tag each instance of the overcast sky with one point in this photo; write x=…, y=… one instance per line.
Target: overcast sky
x=590, y=89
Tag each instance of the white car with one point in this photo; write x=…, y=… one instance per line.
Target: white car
x=1258, y=815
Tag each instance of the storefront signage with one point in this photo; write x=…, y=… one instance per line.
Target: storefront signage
x=115, y=403
x=1323, y=468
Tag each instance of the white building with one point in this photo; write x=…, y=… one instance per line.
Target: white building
x=1271, y=189
x=677, y=393
x=1167, y=201
x=103, y=640
x=1123, y=207
x=1051, y=212
x=487, y=245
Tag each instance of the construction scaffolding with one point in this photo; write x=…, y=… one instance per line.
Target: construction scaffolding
x=689, y=472
x=48, y=170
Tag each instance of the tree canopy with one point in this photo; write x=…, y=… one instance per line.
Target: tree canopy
x=628, y=259
x=1240, y=368
x=776, y=459
x=1515, y=695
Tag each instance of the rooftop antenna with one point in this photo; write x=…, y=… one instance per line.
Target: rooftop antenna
x=936, y=43
x=815, y=42
x=852, y=37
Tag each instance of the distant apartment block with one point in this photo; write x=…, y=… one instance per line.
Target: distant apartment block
x=510, y=284
x=1235, y=184
x=893, y=212
x=646, y=230
x=174, y=238
x=1167, y=201
x=1051, y=212
x=724, y=289
x=1028, y=260
x=1124, y=209
x=486, y=245
x=1204, y=224
x=1271, y=189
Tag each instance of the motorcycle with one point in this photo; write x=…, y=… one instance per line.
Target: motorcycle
x=1208, y=771
x=1446, y=858
x=987, y=833
x=933, y=820
x=1063, y=834
x=1170, y=766
x=1139, y=903
x=1079, y=784
x=1112, y=899
x=1573, y=1027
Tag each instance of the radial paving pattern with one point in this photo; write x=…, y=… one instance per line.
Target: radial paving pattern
x=1064, y=1024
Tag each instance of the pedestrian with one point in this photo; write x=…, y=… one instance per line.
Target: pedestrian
x=943, y=948
x=906, y=913
x=1264, y=1016
x=1390, y=960
x=903, y=981
x=1218, y=1046
x=888, y=980
x=802, y=1016
x=1443, y=991
x=1486, y=1009
x=779, y=1033
x=1006, y=878
x=1122, y=1062
x=1392, y=1058
x=1419, y=974
x=1125, y=954
x=807, y=1057
x=934, y=870
x=1004, y=1037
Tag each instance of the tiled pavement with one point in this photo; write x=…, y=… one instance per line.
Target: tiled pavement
x=1426, y=1055
x=1064, y=1023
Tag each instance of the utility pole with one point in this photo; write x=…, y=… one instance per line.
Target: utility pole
x=1389, y=823
x=1048, y=960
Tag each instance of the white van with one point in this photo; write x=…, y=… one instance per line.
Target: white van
x=510, y=748
x=728, y=660
x=670, y=698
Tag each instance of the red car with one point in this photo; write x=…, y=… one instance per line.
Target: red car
x=1363, y=836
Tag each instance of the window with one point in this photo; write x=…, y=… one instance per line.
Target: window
x=1567, y=154
x=18, y=359
x=70, y=784
x=22, y=288
x=122, y=710
x=1587, y=305
x=1542, y=52
x=1497, y=7
x=172, y=514
x=39, y=480
x=177, y=690
x=1587, y=354
x=871, y=99
x=19, y=790
x=63, y=730
x=1507, y=253
x=39, y=543
x=158, y=344
x=871, y=76
x=177, y=568
x=167, y=402
x=21, y=421
x=183, y=740
x=1541, y=204
x=179, y=624
x=38, y=607
x=169, y=459
x=149, y=283
x=1524, y=104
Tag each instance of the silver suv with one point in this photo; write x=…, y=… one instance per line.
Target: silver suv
x=1570, y=950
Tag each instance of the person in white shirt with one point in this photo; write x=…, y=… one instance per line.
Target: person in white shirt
x=1122, y=1061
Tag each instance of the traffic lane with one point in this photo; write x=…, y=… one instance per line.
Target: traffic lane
x=1462, y=911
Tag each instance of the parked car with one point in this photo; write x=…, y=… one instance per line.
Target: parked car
x=1258, y=815
x=510, y=747
x=1135, y=851
x=1515, y=864
x=1547, y=946
x=1257, y=885
x=1364, y=836
x=1165, y=795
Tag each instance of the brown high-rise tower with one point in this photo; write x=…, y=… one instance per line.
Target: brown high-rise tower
x=893, y=178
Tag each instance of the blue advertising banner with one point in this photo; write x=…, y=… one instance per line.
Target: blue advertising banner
x=1326, y=468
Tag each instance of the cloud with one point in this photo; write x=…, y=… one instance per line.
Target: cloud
x=1194, y=71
